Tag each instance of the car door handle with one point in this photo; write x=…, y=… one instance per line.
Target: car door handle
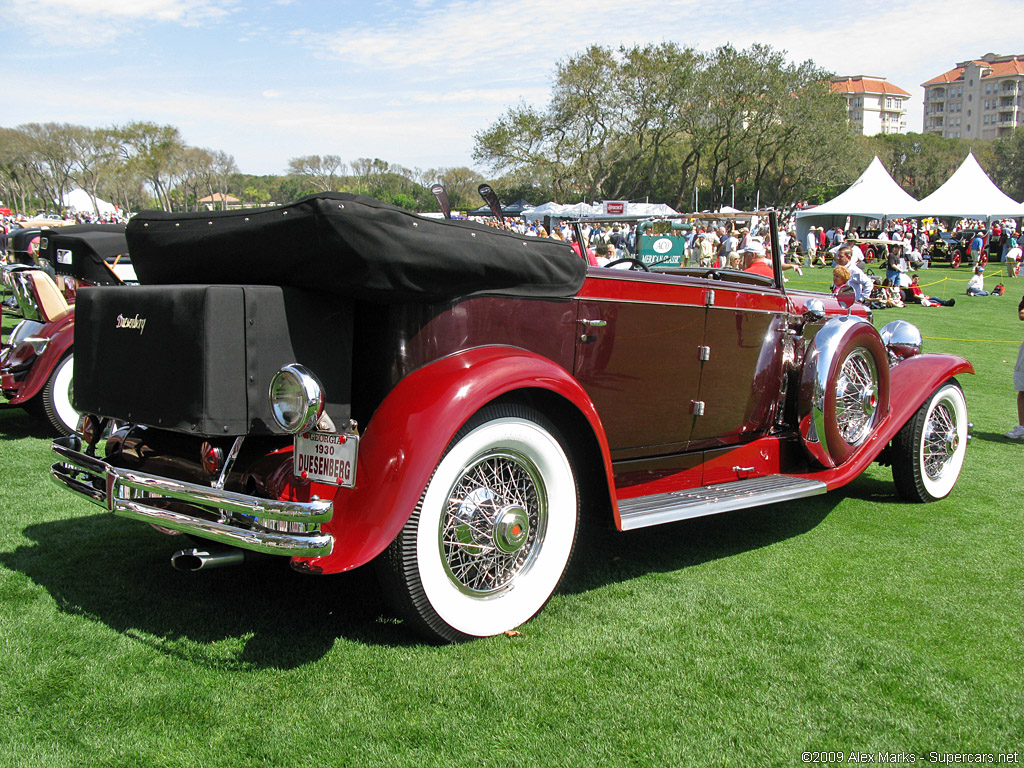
x=594, y=323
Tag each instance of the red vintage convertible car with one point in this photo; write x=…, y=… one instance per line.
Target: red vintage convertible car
x=353, y=383
x=37, y=359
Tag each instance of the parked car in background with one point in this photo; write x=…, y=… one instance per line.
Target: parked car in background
x=870, y=247
x=340, y=382
x=953, y=247
x=37, y=360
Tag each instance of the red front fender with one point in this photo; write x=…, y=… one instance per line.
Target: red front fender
x=62, y=336
x=410, y=430
x=912, y=382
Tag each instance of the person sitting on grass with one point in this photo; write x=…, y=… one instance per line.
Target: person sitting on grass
x=914, y=295
x=976, y=285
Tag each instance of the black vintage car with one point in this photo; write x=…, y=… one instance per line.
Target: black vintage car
x=953, y=247
x=86, y=254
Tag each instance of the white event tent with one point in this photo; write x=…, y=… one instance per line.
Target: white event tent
x=872, y=196
x=79, y=200
x=970, y=193
x=584, y=210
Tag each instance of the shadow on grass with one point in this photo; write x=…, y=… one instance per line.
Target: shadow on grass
x=264, y=615
x=16, y=422
x=258, y=615
x=994, y=437
x=604, y=556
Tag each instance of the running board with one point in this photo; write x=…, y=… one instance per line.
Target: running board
x=712, y=499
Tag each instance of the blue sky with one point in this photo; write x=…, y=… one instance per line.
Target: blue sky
x=412, y=81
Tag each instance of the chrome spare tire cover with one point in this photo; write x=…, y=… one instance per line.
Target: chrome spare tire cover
x=844, y=389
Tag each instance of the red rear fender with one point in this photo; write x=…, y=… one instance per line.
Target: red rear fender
x=62, y=336
x=410, y=431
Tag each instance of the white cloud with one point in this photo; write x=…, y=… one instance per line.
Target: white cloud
x=491, y=35
x=509, y=96
x=98, y=25
x=186, y=11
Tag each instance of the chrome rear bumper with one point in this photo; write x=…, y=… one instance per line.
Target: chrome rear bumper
x=290, y=528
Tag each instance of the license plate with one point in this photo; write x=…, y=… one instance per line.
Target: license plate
x=326, y=457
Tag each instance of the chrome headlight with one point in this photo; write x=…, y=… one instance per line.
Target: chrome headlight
x=296, y=398
x=901, y=339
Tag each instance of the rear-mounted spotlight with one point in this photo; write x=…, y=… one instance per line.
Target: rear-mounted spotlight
x=296, y=398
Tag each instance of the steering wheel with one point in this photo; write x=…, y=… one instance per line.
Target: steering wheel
x=632, y=262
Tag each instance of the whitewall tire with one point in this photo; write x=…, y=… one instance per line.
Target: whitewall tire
x=58, y=394
x=494, y=530
x=929, y=450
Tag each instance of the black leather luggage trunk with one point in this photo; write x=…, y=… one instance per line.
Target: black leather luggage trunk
x=199, y=358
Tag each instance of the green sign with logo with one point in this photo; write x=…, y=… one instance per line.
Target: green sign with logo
x=662, y=244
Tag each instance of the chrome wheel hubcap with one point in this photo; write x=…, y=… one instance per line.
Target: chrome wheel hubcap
x=492, y=528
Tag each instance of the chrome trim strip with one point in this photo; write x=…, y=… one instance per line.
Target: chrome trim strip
x=125, y=492
x=683, y=304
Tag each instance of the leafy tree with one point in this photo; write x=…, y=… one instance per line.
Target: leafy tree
x=323, y=173
x=460, y=183
x=52, y=155
x=1008, y=163
x=97, y=155
x=609, y=128
x=156, y=152
x=16, y=167
x=663, y=122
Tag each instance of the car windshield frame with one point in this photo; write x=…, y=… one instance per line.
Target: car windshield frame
x=685, y=222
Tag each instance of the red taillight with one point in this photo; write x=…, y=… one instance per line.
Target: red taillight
x=212, y=458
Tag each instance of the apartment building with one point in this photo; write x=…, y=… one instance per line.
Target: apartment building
x=978, y=99
x=873, y=104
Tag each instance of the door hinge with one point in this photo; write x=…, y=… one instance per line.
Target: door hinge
x=709, y=299
x=697, y=407
x=704, y=353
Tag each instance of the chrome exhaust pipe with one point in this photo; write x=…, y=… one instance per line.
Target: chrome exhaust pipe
x=191, y=560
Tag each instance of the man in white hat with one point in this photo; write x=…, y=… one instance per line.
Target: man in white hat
x=755, y=259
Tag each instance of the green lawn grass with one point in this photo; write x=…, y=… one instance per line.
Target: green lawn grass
x=849, y=622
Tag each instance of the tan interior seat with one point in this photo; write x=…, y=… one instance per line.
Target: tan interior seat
x=52, y=304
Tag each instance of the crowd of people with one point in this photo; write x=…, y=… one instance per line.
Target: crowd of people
x=1001, y=242
x=712, y=246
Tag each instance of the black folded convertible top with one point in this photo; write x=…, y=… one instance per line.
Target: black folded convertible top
x=352, y=246
x=83, y=251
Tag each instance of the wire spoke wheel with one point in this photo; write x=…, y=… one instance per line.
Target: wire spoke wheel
x=493, y=533
x=941, y=441
x=856, y=396
x=929, y=451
